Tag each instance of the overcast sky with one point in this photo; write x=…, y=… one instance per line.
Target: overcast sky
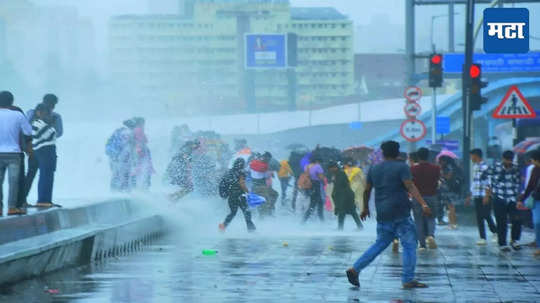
x=385, y=17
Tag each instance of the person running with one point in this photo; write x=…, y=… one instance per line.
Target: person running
x=393, y=183
x=284, y=175
x=44, y=146
x=12, y=124
x=426, y=177
x=533, y=190
x=237, y=190
x=179, y=170
x=343, y=196
x=50, y=100
x=316, y=174
x=478, y=193
x=503, y=181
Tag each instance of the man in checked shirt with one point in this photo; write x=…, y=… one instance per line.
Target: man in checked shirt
x=478, y=192
x=503, y=182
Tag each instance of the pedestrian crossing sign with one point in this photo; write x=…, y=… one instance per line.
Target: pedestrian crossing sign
x=514, y=106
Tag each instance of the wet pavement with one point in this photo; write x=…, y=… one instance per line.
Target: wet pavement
x=305, y=266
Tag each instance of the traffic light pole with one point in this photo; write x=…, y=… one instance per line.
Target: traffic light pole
x=434, y=117
x=465, y=102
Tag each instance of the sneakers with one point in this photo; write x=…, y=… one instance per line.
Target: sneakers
x=515, y=245
x=452, y=226
x=481, y=242
x=494, y=238
x=430, y=241
x=352, y=275
x=16, y=211
x=505, y=248
x=221, y=227
x=414, y=284
x=442, y=222
x=395, y=246
x=421, y=248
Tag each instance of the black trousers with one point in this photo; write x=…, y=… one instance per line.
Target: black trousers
x=483, y=213
x=315, y=201
x=236, y=202
x=33, y=167
x=354, y=215
x=503, y=211
x=295, y=193
x=21, y=201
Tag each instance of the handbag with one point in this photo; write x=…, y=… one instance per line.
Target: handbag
x=529, y=202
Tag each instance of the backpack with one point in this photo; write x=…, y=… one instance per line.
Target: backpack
x=304, y=182
x=224, y=187
x=115, y=143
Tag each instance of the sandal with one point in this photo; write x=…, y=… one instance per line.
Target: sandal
x=414, y=284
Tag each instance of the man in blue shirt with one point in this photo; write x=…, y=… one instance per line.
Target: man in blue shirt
x=50, y=100
x=392, y=182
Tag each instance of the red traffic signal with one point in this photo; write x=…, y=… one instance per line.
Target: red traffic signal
x=474, y=71
x=435, y=70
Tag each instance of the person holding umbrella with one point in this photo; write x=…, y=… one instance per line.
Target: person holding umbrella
x=343, y=196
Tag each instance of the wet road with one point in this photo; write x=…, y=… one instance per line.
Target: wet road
x=290, y=267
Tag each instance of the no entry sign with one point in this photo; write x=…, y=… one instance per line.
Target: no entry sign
x=413, y=130
x=413, y=93
x=412, y=109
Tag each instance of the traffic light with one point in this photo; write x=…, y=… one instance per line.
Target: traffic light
x=435, y=70
x=475, y=74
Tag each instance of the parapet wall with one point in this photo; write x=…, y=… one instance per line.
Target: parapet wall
x=50, y=240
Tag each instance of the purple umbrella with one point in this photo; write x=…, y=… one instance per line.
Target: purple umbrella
x=305, y=161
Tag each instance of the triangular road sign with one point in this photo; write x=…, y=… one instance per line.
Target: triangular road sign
x=514, y=106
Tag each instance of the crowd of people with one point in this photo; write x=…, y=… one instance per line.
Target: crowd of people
x=411, y=191
x=33, y=134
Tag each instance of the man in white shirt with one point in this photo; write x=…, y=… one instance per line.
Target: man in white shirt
x=12, y=124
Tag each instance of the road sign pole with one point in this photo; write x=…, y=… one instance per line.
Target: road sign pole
x=514, y=133
x=434, y=116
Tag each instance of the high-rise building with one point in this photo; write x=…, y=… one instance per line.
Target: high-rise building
x=192, y=61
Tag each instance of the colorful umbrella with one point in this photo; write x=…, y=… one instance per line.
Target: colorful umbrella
x=527, y=145
x=446, y=152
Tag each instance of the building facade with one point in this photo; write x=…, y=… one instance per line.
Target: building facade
x=193, y=61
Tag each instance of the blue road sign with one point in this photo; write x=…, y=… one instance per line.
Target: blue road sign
x=355, y=125
x=443, y=125
x=495, y=63
x=506, y=30
x=266, y=51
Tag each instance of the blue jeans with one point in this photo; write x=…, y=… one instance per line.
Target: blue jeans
x=536, y=221
x=46, y=157
x=405, y=230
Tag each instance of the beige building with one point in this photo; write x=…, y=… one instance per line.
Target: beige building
x=192, y=62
